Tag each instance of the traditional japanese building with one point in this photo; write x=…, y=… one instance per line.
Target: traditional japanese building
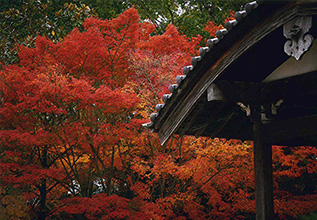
x=256, y=80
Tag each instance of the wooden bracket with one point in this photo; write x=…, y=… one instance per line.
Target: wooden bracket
x=250, y=95
x=246, y=95
x=280, y=131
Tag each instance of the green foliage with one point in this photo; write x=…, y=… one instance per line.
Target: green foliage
x=312, y=216
x=107, y=8
x=189, y=16
x=21, y=21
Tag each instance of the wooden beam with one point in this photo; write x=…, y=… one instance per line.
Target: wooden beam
x=284, y=130
x=261, y=93
x=234, y=91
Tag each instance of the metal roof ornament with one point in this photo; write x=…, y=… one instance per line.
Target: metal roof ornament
x=299, y=40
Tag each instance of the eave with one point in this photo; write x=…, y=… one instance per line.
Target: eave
x=234, y=55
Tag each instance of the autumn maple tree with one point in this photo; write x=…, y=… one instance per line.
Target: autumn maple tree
x=64, y=112
x=72, y=145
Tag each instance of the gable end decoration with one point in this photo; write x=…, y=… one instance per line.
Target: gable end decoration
x=300, y=40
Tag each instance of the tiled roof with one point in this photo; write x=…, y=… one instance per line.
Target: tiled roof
x=187, y=70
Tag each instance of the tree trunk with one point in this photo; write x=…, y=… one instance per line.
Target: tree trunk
x=43, y=208
x=42, y=214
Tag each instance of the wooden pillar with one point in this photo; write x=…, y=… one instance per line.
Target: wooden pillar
x=263, y=175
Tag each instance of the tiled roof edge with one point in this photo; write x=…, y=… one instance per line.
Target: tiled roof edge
x=220, y=34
